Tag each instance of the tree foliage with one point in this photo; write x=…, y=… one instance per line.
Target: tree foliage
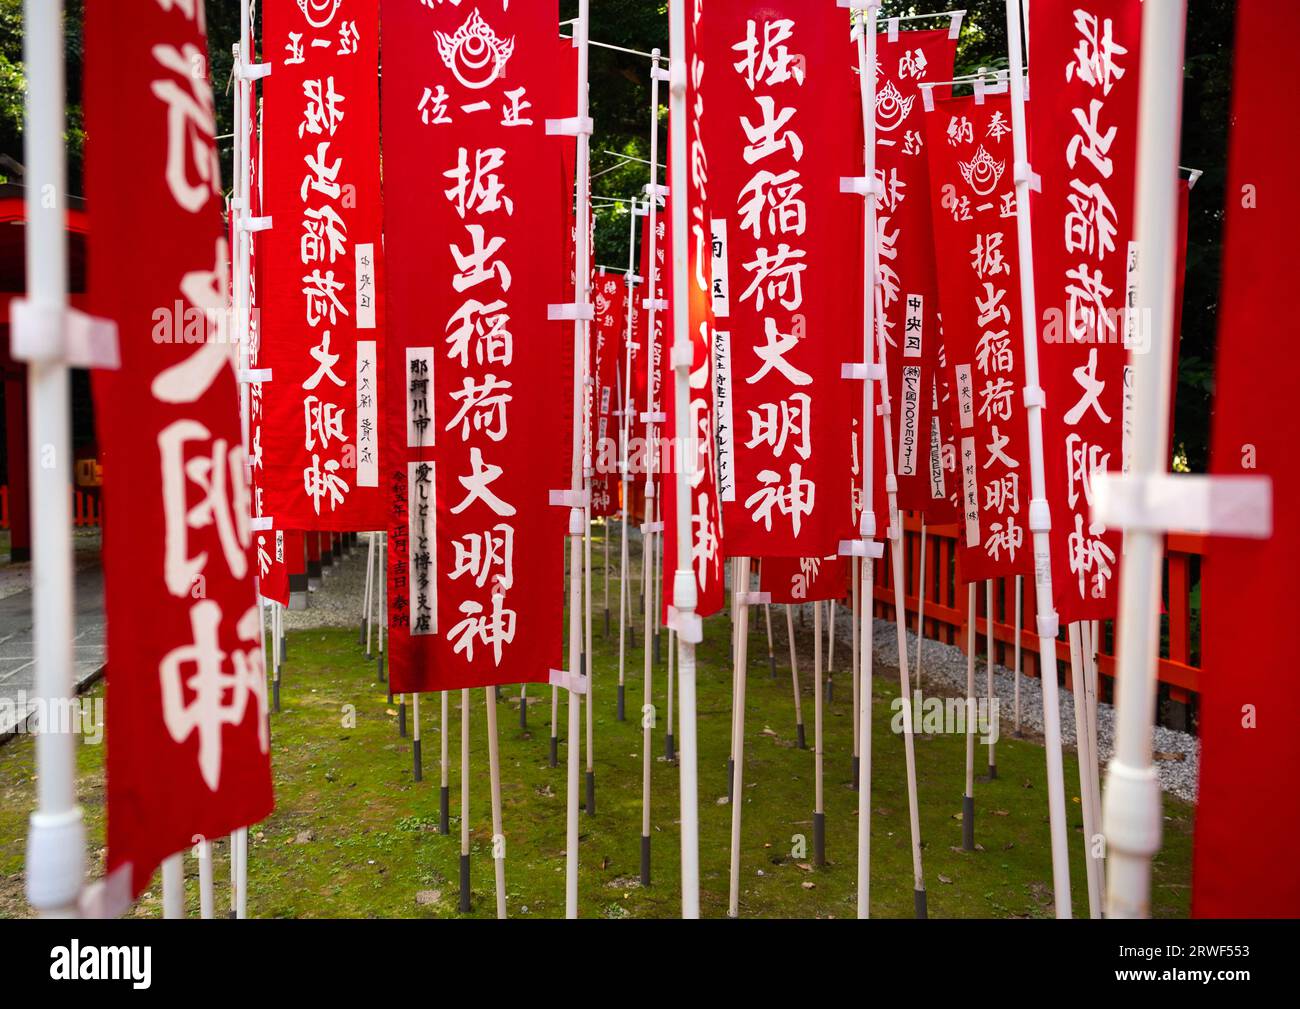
x=620, y=106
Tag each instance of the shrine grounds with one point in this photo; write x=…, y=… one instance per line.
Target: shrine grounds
x=354, y=835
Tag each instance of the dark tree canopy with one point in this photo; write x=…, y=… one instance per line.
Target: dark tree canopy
x=620, y=99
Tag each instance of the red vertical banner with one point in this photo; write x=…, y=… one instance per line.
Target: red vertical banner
x=188, y=750
x=608, y=334
x=908, y=282
x=974, y=198
x=1247, y=816
x=1083, y=130
x=778, y=145
x=479, y=433
x=322, y=303
x=697, y=457
x=804, y=579
x=268, y=538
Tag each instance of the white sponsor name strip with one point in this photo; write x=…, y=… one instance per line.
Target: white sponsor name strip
x=913, y=327
x=367, y=414
x=965, y=396
x=365, y=287
x=721, y=282
x=726, y=432
x=971, y=503
x=422, y=548
x=910, y=420
x=419, y=397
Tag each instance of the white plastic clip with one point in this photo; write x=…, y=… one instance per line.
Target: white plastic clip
x=689, y=629
x=659, y=73
x=682, y=356
x=254, y=71
x=1035, y=397
x=254, y=224
x=858, y=184
x=568, y=498
x=1024, y=172
x=651, y=527
x=655, y=304
x=63, y=333
x=254, y=376
x=573, y=312
x=261, y=523
x=568, y=681
x=863, y=372
x=927, y=98
x=632, y=278
x=755, y=598
x=861, y=548
x=954, y=26
x=1239, y=506
x=658, y=190
x=574, y=126
x=654, y=417
x=893, y=30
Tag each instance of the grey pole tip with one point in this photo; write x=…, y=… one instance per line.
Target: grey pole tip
x=771, y=661
x=361, y=637
x=401, y=718
x=658, y=650
x=591, y=793
x=670, y=748
x=631, y=636
x=523, y=714
x=381, y=667
x=918, y=903
x=622, y=714
x=993, y=771
x=731, y=778
x=284, y=650
x=444, y=810
x=819, y=839
x=803, y=742
x=606, y=621
x=464, y=884
x=645, y=860
x=555, y=752
x=419, y=765
x=830, y=691
x=275, y=692
x=968, y=822
x=857, y=772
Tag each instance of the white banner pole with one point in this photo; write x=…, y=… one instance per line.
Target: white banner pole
x=1078, y=676
x=920, y=609
x=689, y=630
x=625, y=476
x=494, y=770
x=1040, y=521
x=800, y=736
x=56, y=837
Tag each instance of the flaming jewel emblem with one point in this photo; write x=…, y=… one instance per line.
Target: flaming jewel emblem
x=982, y=173
x=891, y=108
x=475, y=54
x=319, y=13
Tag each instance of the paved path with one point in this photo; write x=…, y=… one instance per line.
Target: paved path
x=17, y=663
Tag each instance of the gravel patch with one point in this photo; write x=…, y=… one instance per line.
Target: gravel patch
x=1181, y=752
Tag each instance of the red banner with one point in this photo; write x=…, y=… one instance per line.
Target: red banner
x=778, y=145
x=479, y=437
x=187, y=720
x=1247, y=816
x=323, y=308
x=1083, y=119
x=697, y=458
x=804, y=579
x=268, y=541
x=608, y=334
x=908, y=282
x=973, y=193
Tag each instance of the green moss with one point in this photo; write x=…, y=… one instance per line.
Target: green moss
x=354, y=835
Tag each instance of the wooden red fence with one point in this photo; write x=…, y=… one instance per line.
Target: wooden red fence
x=946, y=611
x=86, y=510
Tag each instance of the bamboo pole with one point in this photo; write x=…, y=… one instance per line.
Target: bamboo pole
x=1077, y=676
x=464, y=803
x=494, y=772
x=738, y=774
x=794, y=680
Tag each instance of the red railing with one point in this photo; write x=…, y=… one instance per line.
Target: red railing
x=946, y=609
x=86, y=509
